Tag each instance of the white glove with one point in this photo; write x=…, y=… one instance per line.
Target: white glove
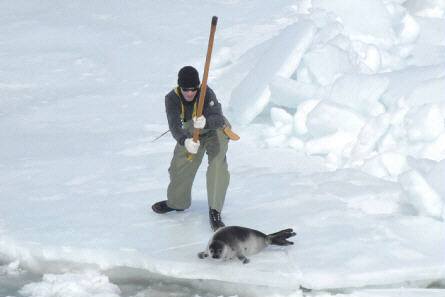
x=191, y=146
x=199, y=122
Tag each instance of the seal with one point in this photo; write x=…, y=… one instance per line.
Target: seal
x=232, y=242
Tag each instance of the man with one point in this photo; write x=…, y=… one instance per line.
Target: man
x=181, y=106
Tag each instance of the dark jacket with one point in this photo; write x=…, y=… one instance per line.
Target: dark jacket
x=212, y=112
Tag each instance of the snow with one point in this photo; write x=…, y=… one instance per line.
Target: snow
x=326, y=64
x=300, y=117
x=329, y=117
x=428, y=8
x=368, y=138
x=288, y=92
x=403, y=84
x=390, y=293
x=360, y=92
x=13, y=268
x=434, y=177
x=340, y=106
x=409, y=29
x=429, y=92
x=282, y=120
x=425, y=199
x=90, y=283
x=367, y=21
x=424, y=123
x=368, y=57
x=281, y=59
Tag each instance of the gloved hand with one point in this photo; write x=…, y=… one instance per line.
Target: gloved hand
x=191, y=146
x=199, y=122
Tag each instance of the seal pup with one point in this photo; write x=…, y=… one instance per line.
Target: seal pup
x=232, y=242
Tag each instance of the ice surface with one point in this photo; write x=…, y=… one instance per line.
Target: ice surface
x=360, y=92
x=409, y=30
x=428, y=49
x=424, y=123
x=281, y=117
x=430, y=31
x=90, y=283
x=435, y=178
x=434, y=150
x=333, y=143
x=404, y=83
x=282, y=58
x=430, y=91
x=289, y=93
x=425, y=198
x=369, y=136
x=326, y=64
x=328, y=117
x=386, y=165
x=368, y=20
x=300, y=116
x=391, y=293
x=426, y=8
x=367, y=56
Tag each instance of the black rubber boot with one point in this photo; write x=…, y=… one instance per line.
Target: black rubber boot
x=162, y=207
x=215, y=219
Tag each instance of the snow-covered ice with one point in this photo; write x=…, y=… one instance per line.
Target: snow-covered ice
x=340, y=106
x=89, y=283
x=252, y=95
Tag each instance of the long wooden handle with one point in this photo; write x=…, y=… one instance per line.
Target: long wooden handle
x=205, y=76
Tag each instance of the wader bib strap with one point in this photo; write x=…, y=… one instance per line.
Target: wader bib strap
x=178, y=92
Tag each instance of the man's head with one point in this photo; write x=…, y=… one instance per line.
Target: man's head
x=188, y=81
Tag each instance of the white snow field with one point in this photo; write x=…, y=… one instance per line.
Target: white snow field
x=340, y=106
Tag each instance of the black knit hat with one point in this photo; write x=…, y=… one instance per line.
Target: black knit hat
x=188, y=77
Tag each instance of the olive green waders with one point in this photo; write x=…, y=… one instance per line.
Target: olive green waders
x=182, y=171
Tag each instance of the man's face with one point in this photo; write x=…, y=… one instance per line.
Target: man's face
x=189, y=93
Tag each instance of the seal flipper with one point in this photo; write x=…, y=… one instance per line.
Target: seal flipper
x=280, y=237
x=202, y=255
